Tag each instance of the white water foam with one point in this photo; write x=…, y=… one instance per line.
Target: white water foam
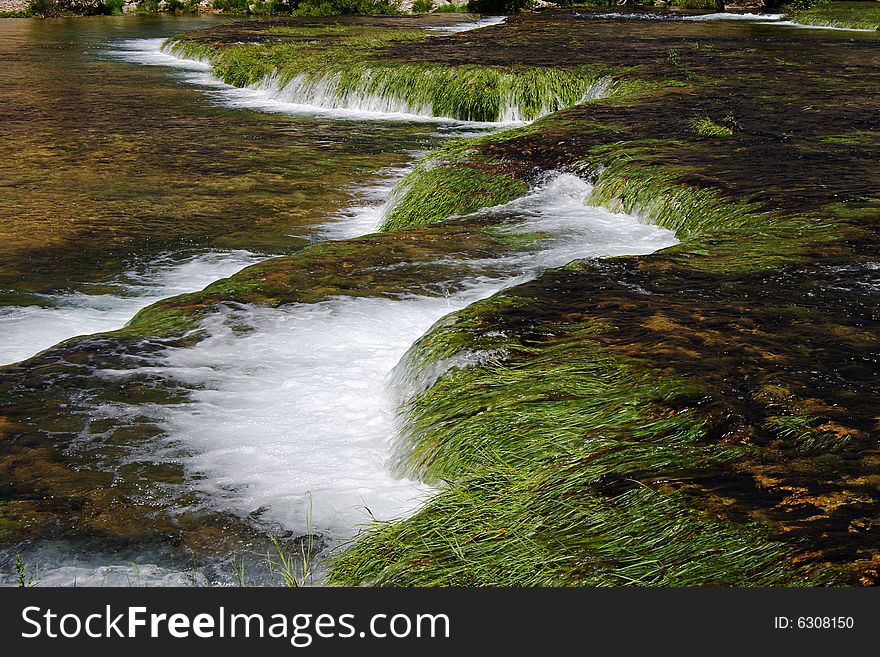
x=669, y=16
x=807, y=26
x=466, y=26
x=761, y=19
x=299, y=97
x=297, y=409
x=27, y=330
x=371, y=204
x=773, y=19
x=727, y=16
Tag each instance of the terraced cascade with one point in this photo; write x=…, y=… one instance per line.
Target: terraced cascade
x=628, y=339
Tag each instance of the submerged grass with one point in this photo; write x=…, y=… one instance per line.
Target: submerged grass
x=560, y=461
x=718, y=234
x=545, y=528
x=434, y=192
x=706, y=127
x=563, y=463
x=556, y=460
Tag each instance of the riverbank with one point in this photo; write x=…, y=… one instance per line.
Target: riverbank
x=701, y=415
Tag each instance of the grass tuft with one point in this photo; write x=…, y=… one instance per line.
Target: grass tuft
x=706, y=127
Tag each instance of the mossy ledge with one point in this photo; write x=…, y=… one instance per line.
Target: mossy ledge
x=555, y=455
x=452, y=180
x=847, y=15
x=337, y=67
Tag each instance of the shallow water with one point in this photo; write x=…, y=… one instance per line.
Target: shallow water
x=110, y=166
x=291, y=408
x=26, y=330
x=159, y=180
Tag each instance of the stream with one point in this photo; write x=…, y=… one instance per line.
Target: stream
x=135, y=176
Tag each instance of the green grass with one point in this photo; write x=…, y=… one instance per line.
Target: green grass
x=858, y=15
x=655, y=193
x=434, y=192
x=706, y=127
x=343, y=60
x=452, y=8
x=698, y=5
x=552, y=458
x=545, y=528
x=718, y=234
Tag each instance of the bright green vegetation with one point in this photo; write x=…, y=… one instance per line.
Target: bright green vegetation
x=652, y=192
x=698, y=5
x=435, y=193
x=530, y=444
x=342, y=60
x=52, y=8
x=551, y=452
x=857, y=15
x=706, y=127
x=450, y=8
x=173, y=6
x=305, y=7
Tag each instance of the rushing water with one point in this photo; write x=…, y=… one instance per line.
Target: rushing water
x=169, y=180
x=296, y=406
x=25, y=330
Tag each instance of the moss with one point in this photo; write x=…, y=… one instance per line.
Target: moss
x=438, y=191
x=706, y=127
x=855, y=15
x=718, y=234
x=346, y=61
x=868, y=138
x=656, y=193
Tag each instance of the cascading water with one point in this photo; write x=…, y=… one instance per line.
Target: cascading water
x=27, y=330
x=291, y=411
x=290, y=406
x=324, y=95
x=466, y=26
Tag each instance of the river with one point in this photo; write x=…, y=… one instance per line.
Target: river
x=129, y=176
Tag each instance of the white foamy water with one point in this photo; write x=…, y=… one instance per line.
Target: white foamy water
x=370, y=205
x=772, y=19
x=292, y=405
x=765, y=19
x=807, y=26
x=466, y=26
x=671, y=16
x=25, y=331
x=297, y=98
x=727, y=16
